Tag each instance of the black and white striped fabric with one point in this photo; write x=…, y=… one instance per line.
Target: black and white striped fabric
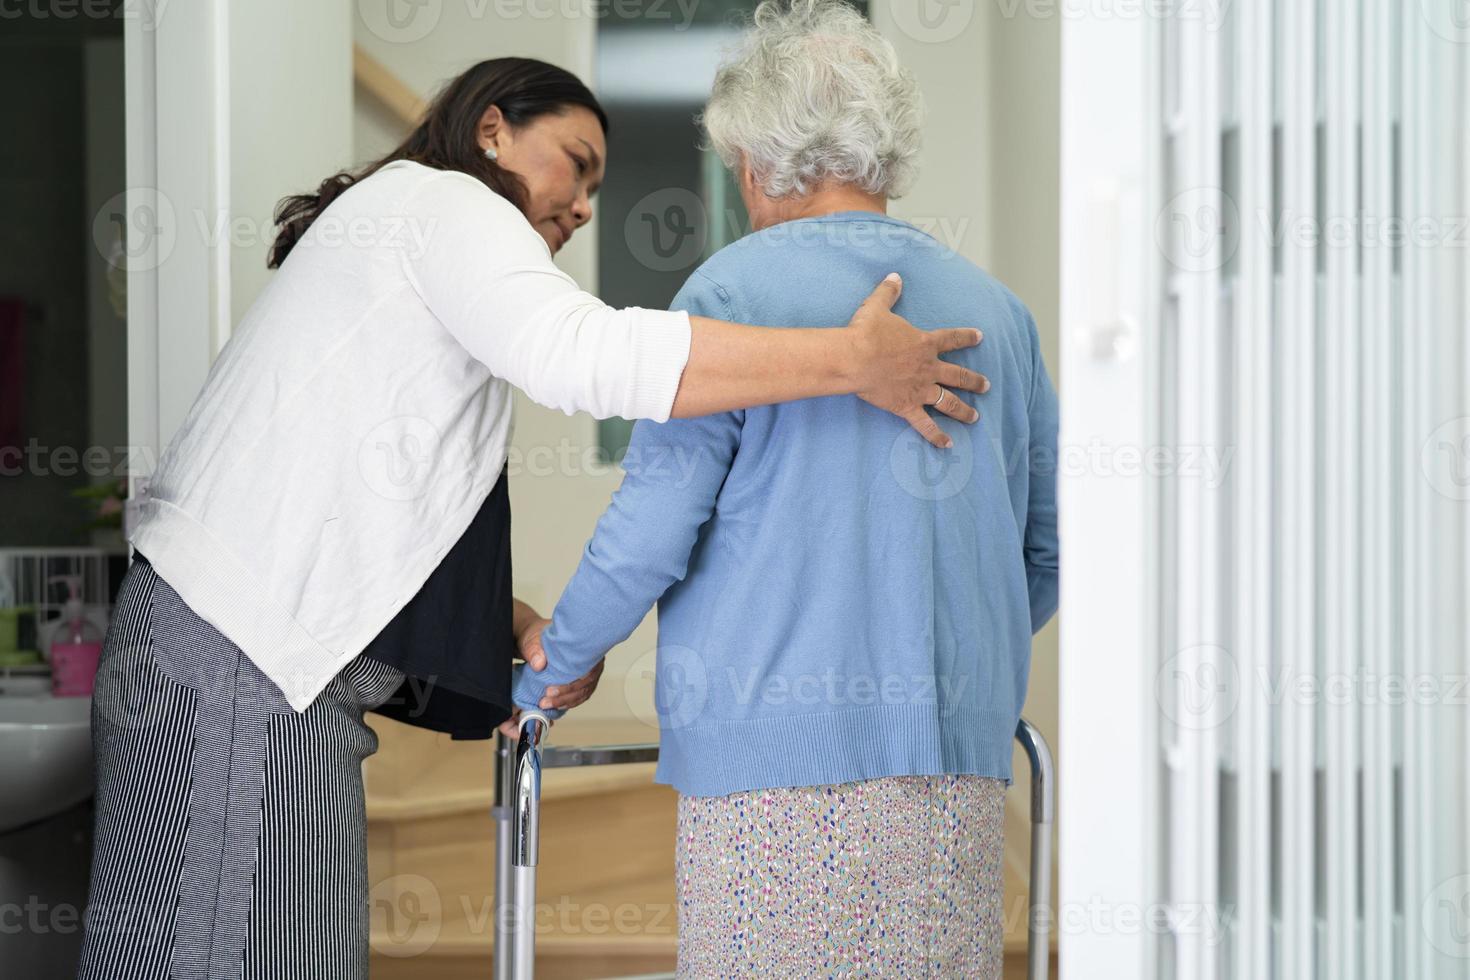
x=231, y=833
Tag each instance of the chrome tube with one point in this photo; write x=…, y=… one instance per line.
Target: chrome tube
x=516, y=917
x=504, y=934
x=1043, y=814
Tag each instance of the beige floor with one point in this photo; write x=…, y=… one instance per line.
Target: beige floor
x=584, y=969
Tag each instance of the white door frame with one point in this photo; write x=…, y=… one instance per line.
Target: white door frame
x=178, y=169
x=1107, y=782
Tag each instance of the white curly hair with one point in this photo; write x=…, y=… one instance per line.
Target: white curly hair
x=814, y=94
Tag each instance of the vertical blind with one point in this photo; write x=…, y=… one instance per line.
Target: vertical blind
x=1314, y=650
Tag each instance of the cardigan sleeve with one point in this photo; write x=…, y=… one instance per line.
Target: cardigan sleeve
x=486, y=274
x=643, y=542
x=1040, y=545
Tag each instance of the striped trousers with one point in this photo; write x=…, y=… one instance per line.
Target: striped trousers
x=230, y=833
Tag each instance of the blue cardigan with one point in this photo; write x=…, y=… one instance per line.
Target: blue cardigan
x=838, y=600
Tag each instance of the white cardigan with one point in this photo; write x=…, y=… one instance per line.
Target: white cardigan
x=359, y=416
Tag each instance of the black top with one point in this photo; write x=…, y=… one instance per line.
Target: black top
x=454, y=639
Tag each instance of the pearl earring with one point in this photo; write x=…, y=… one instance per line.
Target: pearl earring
x=490, y=153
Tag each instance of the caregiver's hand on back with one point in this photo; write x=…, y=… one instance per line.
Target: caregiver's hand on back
x=880, y=357
x=899, y=360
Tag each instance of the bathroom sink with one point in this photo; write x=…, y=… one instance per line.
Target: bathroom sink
x=45, y=751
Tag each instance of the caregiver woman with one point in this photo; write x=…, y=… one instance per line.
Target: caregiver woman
x=331, y=523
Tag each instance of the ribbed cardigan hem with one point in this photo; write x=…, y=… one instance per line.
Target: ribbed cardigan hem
x=723, y=757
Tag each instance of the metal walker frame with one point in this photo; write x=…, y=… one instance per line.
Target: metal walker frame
x=517, y=814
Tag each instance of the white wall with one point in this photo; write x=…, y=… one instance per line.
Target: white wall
x=291, y=117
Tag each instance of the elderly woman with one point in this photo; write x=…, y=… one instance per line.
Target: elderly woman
x=845, y=612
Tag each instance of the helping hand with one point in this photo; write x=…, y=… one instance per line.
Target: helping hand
x=900, y=367
x=561, y=697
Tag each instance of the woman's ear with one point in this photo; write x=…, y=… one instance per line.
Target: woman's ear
x=750, y=195
x=747, y=178
x=492, y=128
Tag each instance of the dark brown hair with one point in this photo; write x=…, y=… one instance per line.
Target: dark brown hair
x=447, y=138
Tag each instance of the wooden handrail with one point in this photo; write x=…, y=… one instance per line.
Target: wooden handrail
x=393, y=92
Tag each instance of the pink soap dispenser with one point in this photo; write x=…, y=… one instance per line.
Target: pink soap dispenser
x=76, y=647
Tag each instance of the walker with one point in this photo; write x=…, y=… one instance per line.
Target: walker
x=517, y=815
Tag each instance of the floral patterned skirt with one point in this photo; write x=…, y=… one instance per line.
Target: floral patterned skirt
x=892, y=877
